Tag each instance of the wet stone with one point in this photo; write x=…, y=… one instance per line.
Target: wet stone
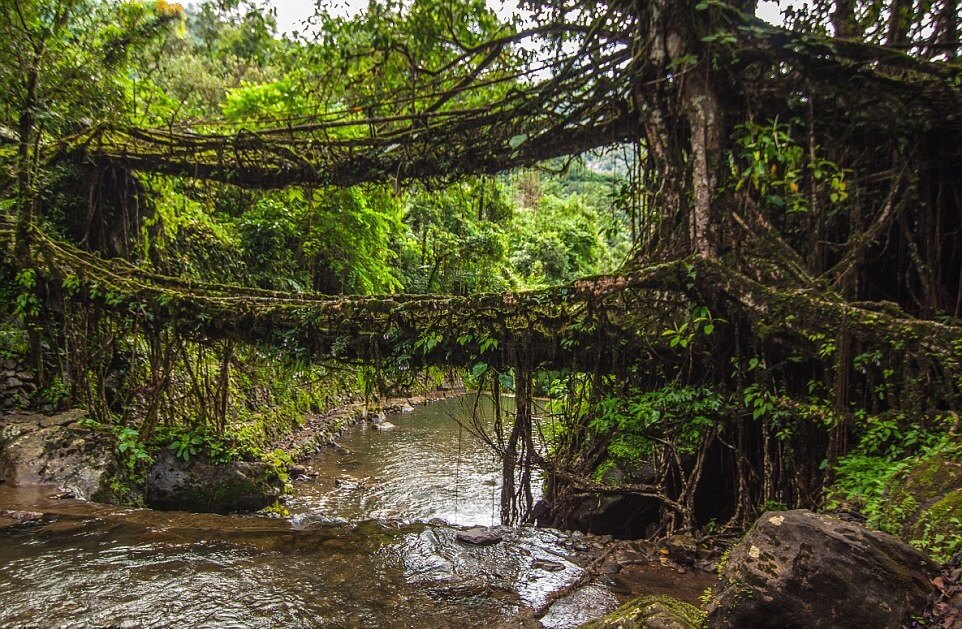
x=21, y=516
x=298, y=471
x=480, y=536
x=681, y=548
x=611, y=568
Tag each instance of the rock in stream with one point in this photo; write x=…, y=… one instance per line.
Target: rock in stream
x=798, y=569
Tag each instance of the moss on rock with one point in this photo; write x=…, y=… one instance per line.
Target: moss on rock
x=651, y=612
x=924, y=507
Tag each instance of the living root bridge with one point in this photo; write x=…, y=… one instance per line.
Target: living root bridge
x=598, y=324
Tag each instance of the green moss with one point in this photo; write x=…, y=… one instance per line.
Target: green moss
x=924, y=506
x=938, y=529
x=651, y=611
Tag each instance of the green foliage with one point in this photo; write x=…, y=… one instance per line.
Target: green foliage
x=772, y=505
x=634, y=424
x=336, y=241
x=56, y=393
x=894, y=470
x=13, y=340
x=759, y=401
x=187, y=445
x=133, y=452
x=940, y=536
x=698, y=322
x=45, y=44
x=557, y=241
x=27, y=303
x=457, y=239
x=777, y=169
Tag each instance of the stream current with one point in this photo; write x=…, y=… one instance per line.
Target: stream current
x=371, y=542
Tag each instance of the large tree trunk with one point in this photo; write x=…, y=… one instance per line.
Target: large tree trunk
x=689, y=171
x=703, y=111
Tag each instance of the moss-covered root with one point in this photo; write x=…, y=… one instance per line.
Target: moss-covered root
x=651, y=612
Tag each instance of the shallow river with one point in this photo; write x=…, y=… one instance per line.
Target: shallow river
x=358, y=550
x=430, y=467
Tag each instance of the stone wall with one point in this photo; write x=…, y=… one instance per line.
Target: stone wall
x=16, y=385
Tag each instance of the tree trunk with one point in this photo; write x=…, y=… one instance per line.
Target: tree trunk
x=703, y=111
x=26, y=202
x=900, y=20
x=844, y=21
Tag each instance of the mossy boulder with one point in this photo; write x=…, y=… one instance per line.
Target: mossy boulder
x=798, y=569
x=201, y=486
x=651, y=612
x=924, y=506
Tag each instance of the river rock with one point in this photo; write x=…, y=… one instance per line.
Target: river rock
x=200, y=486
x=301, y=472
x=480, y=536
x=385, y=426
x=798, y=569
x=651, y=612
x=56, y=450
x=681, y=549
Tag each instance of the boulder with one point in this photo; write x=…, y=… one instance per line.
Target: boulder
x=797, y=569
x=56, y=450
x=651, y=612
x=200, y=486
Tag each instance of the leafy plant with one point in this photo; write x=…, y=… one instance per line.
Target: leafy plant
x=187, y=445
x=132, y=450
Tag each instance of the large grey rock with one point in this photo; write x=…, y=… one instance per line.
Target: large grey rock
x=201, y=486
x=801, y=569
x=39, y=450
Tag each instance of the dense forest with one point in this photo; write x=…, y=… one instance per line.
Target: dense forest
x=727, y=253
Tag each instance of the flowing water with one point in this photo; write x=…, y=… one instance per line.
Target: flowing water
x=433, y=466
x=365, y=547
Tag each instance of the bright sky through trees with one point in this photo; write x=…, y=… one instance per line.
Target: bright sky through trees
x=291, y=14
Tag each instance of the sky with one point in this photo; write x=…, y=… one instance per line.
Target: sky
x=292, y=13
